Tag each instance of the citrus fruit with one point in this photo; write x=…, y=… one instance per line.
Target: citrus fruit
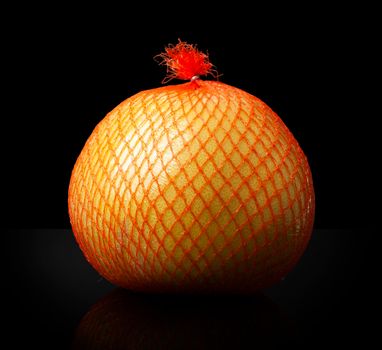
x=196, y=188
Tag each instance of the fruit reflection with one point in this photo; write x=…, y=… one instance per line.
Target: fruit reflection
x=123, y=320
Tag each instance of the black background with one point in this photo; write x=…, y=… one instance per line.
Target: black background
x=330, y=299
x=66, y=67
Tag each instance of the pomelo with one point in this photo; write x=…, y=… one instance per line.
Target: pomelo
x=197, y=187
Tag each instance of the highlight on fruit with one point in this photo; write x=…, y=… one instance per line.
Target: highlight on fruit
x=194, y=188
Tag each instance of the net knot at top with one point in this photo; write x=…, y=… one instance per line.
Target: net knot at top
x=184, y=61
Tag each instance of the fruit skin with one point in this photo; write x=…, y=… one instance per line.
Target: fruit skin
x=194, y=188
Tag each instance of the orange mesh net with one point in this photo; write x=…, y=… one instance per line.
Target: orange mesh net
x=197, y=187
x=185, y=62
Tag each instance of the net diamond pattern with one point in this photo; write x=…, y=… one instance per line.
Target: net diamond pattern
x=193, y=187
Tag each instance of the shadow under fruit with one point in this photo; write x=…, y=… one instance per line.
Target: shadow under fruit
x=123, y=320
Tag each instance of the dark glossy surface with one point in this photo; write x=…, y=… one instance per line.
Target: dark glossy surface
x=330, y=298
